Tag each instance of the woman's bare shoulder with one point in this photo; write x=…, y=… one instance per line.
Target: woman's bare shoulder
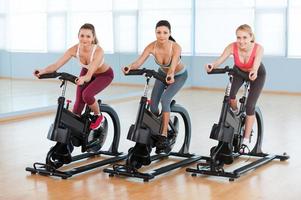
x=72, y=50
x=150, y=47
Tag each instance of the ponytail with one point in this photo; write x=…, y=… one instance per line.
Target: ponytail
x=172, y=39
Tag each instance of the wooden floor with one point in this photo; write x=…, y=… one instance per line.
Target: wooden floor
x=24, y=142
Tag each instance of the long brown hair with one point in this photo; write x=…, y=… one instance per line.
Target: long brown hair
x=248, y=29
x=90, y=27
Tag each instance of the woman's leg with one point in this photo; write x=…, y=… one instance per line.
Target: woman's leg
x=157, y=91
x=255, y=90
x=236, y=84
x=166, y=99
x=248, y=126
x=95, y=108
x=79, y=102
x=165, y=120
x=98, y=84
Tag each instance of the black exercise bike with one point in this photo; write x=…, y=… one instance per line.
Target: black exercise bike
x=70, y=130
x=145, y=133
x=229, y=134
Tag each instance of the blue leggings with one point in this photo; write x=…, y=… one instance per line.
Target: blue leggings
x=164, y=93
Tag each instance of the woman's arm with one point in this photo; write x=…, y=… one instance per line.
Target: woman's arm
x=227, y=52
x=256, y=64
x=258, y=57
x=176, y=53
x=141, y=59
x=175, y=58
x=59, y=63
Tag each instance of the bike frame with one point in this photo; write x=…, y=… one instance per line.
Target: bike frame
x=231, y=125
x=80, y=128
x=146, y=125
x=78, y=125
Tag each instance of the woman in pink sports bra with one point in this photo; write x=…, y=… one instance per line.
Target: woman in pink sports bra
x=95, y=73
x=247, y=58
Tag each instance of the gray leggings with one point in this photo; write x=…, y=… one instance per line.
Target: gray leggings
x=255, y=88
x=165, y=94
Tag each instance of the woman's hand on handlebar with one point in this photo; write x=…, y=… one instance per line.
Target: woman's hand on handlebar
x=81, y=80
x=253, y=74
x=126, y=69
x=38, y=72
x=209, y=67
x=170, y=79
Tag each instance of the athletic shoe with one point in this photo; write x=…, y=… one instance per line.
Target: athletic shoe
x=97, y=122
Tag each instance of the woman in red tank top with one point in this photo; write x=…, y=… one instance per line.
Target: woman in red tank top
x=247, y=57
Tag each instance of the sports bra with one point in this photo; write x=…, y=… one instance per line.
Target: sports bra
x=91, y=58
x=237, y=61
x=162, y=66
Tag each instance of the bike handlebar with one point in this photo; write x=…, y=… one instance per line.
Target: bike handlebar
x=148, y=73
x=62, y=76
x=231, y=71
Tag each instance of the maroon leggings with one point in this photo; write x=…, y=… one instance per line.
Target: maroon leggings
x=85, y=93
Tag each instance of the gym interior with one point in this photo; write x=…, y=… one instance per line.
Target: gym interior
x=36, y=33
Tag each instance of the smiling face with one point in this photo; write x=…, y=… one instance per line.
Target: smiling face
x=85, y=37
x=162, y=34
x=244, y=39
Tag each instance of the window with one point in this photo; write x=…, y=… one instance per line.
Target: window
x=3, y=9
x=122, y=5
x=28, y=6
x=2, y=32
x=166, y=4
x=56, y=39
x=270, y=32
x=177, y=12
x=202, y=26
x=90, y=5
x=271, y=3
x=294, y=30
x=270, y=26
x=102, y=22
x=125, y=25
x=125, y=33
x=216, y=22
x=54, y=6
x=27, y=25
x=27, y=32
x=3, y=6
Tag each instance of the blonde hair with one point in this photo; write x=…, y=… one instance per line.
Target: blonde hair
x=248, y=29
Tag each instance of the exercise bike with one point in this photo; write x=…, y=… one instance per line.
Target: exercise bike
x=229, y=134
x=145, y=133
x=70, y=130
